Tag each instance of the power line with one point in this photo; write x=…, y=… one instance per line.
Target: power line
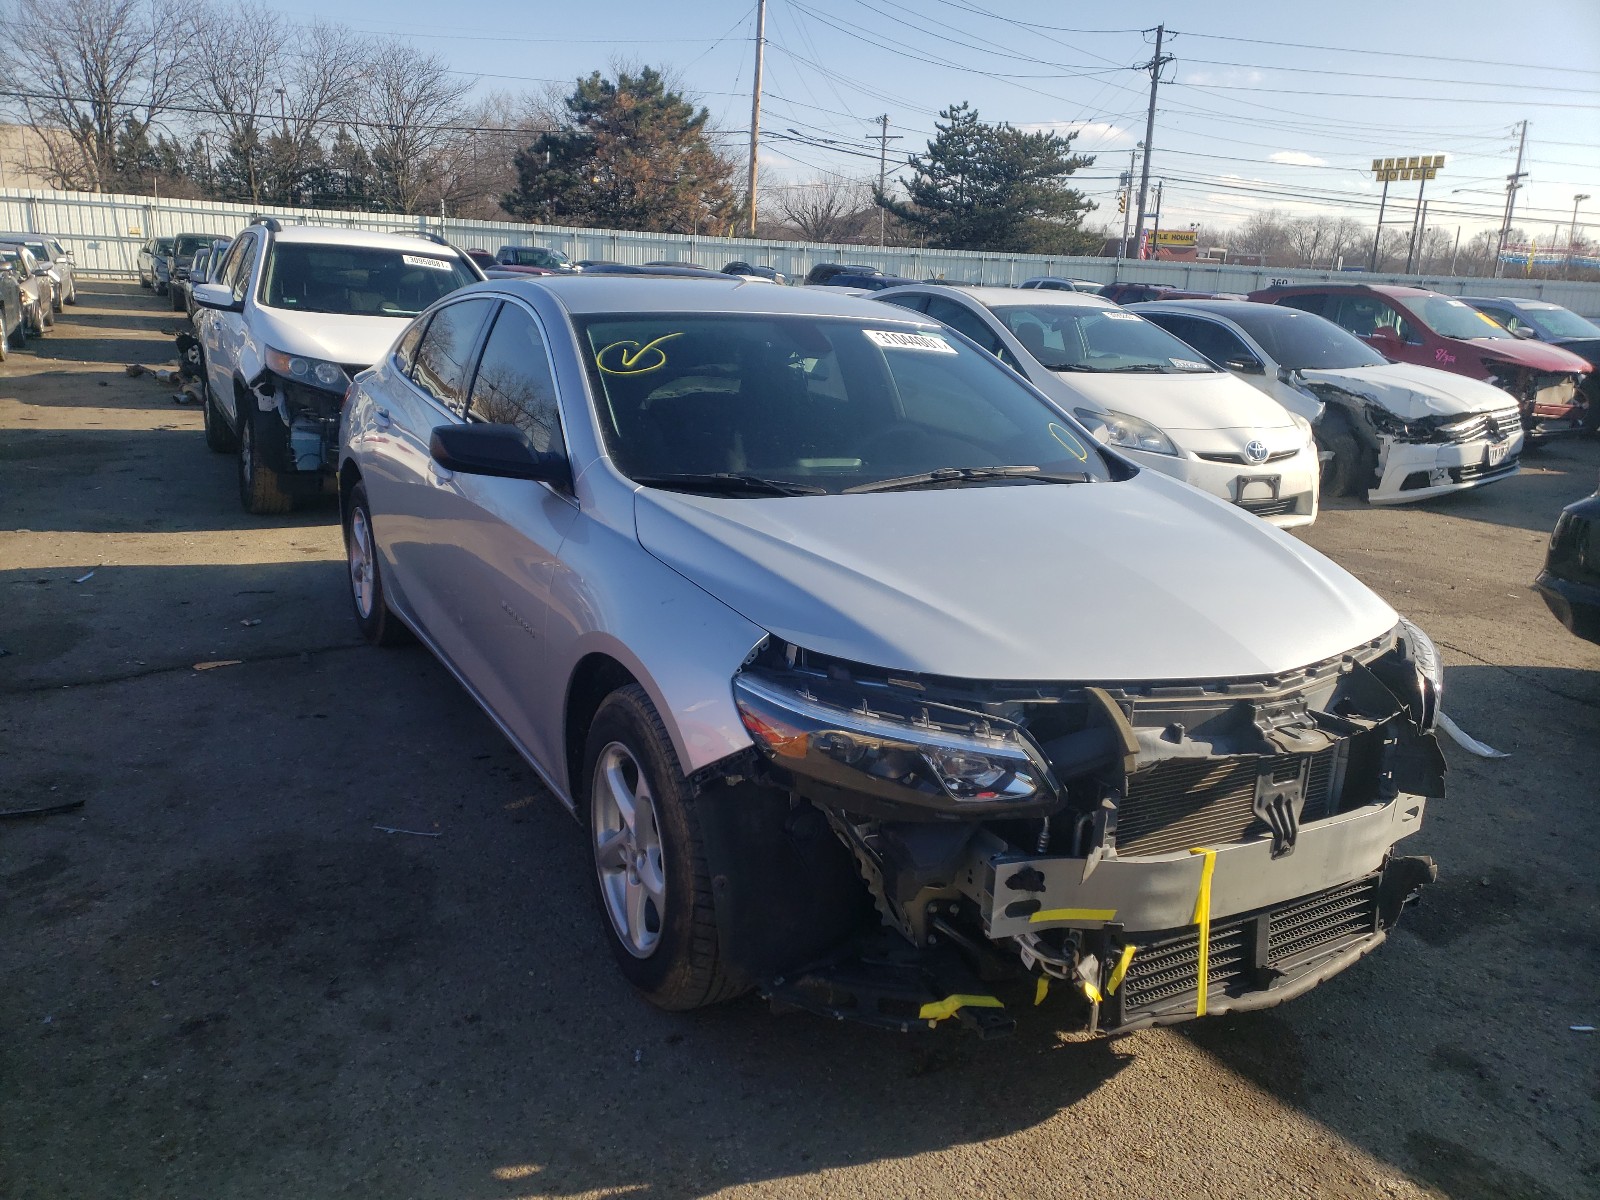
x=1405, y=54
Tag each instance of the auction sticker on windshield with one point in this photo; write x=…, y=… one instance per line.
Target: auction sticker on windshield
x=909, y=341
x=417, y=260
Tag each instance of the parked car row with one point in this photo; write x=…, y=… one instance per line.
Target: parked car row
x=33, y=286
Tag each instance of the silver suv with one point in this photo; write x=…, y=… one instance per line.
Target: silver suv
x=879, y=686
x=291, y=314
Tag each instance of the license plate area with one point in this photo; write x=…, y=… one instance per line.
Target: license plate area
x=1495, y=453
x=1257, y=487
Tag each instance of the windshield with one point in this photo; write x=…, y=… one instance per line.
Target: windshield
x=1454, y=318
x=1560, y=322
x=38, y=250
x=1072, y=337
x=1304, y=341
x=359, y=281
x=816, y=404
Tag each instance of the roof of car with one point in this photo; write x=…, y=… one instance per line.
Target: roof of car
x=989, y=297
x=1220, y=308
x=586, y=294
x=1510, y=301
x=1398, y=291
x=330, y=236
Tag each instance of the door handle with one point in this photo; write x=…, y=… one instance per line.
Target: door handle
x=380, y=418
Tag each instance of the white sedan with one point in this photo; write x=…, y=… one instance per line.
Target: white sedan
x=1395, y=432
x=1138, y=388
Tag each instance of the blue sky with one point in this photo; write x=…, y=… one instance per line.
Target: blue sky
x=1254, y=116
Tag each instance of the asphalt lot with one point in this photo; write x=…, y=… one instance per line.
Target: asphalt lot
x=219, y=980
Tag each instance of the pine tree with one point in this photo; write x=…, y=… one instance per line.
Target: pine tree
x=630, y=154
x=995, y=187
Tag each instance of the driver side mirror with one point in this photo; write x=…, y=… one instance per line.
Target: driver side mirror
x=1384, y=335
x=501, y=451
x=1525, y=332
x=1245, y=365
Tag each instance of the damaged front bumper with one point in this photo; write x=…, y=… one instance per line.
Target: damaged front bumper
x=1153, y=853
x=1411, y=471
x=302, y=442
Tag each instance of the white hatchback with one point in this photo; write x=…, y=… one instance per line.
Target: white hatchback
x=1139, y=389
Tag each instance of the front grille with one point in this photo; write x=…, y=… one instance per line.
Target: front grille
x=1247, y=952
x=1241, y=460
x=1182, y=803
x=1496, y=423
x=1270, y=508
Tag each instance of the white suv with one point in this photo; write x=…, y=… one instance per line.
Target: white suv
x=292, y=315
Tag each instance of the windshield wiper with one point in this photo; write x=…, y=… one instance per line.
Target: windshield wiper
x=943, y=475
x=729, y=481
x=1150, y=368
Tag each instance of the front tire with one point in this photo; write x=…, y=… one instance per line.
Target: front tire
x=72, y=296
x=375, y=618
x=1341, y=473
x=261, y=489
x=650, y=873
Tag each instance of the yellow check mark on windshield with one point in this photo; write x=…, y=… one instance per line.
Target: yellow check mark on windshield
x=629, y=361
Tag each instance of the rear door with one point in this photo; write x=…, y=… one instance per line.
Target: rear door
x=413, y=513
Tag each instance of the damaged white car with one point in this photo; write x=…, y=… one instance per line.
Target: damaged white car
x=880, y=687
x=1394, y=432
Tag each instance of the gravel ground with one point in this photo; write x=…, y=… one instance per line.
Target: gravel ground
x=221, y=981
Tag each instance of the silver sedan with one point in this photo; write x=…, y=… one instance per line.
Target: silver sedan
x=870, y=673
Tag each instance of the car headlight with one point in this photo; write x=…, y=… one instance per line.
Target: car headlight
x=925, y=759
x=1125, y=432
x=313, y=372
x=1425, y=659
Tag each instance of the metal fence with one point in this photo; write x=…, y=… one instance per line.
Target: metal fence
x=105, y=233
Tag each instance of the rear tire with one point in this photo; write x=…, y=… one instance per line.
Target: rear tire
x=1341, y=473
x=219, y=436
x=19, y=335
x=261, y=489
x=72, y=295
x=650, y=875
x=374, y=617
x=47, y=318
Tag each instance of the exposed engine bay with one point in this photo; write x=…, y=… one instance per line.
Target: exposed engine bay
x=1154, y=851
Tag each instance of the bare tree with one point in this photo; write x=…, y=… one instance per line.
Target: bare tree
x=236, y=78
x=320, y=81
x=410, y=107
x=1306, y=239
x=96, y=75
x=830, y=209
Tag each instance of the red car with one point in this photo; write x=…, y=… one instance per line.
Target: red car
x=1414, y=325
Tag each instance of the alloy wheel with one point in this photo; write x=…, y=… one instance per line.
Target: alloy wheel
x=358, y=549
x=627, y=850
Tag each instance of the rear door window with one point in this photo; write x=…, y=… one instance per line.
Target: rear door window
x=444, y=355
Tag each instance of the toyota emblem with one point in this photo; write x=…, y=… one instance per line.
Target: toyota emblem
x=1256, y=451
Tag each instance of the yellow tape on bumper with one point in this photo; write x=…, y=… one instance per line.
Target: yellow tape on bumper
x=1073, y=914
x=940, y=1009
x=1119, y=971
x=1202, y=918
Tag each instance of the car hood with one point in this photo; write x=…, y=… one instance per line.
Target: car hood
x=349, y=341
x=1537, y=356
x=1145, y=579
x=1411, y=392
x=1209, y=400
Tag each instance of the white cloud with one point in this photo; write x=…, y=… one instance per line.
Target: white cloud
x=1296, y=158
x=1092, y=135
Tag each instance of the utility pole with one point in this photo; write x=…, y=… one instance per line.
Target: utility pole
x=1419, y=229
x=1155, y=233
x=755, y=106
x=1127, y=186
x=1154, y=67
x=1513, y=182
x=883, y=172
x=1383, y=203
x=1572, y=232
